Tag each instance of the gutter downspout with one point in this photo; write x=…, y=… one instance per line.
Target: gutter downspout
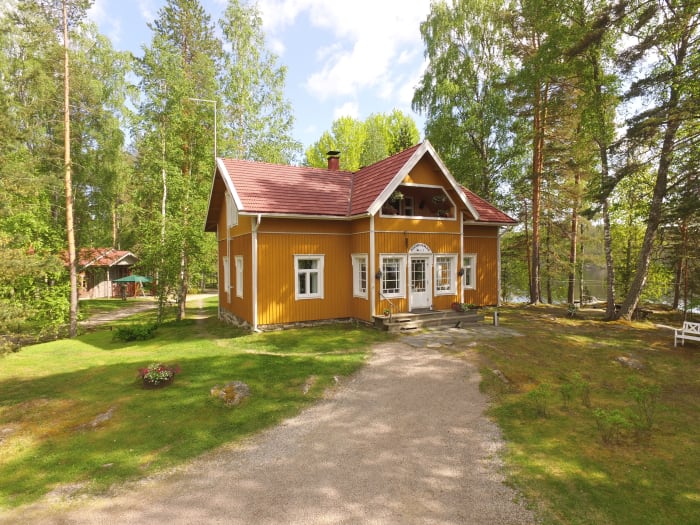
x=218, y=270
x=254, y=249
x=228, y=258
x=498, y=257
x=460, y=263
x=372, y=269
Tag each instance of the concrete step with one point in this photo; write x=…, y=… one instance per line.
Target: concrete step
x=413, y=321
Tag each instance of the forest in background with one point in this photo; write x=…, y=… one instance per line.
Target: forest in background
x=581, y=119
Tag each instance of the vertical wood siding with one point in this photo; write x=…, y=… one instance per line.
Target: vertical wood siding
x=240, y=242
x=276, y=278
x=483, y=241
x=359, y=244
x=401, y=243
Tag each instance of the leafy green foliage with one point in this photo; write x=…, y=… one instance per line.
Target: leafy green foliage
x=540, y=399
x=612, y=424
x=364, y=143
x=462, y=93
x=135, y=332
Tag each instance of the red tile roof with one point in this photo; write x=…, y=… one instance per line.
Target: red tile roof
x=101, y=256
x=487, y=212
x=292, y=190
x=369, y=182
x=274, y=188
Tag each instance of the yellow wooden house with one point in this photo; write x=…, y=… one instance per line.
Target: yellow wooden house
x=299, y=244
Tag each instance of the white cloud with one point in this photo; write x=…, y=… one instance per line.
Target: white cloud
x=148, y=10
x=276, y=45
x=97, y=12
x=110, y=26
x=371, y=39
x=349, y=109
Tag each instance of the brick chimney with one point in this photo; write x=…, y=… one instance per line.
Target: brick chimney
x=333, y=160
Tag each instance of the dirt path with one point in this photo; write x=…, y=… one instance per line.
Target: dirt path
x=404, y=441
x=135, y=306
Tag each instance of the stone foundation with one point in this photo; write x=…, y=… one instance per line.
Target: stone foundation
x=229, y=318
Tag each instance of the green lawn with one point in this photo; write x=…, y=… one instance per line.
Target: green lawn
x=90, y=307
x=560, y=460
x=52, y=394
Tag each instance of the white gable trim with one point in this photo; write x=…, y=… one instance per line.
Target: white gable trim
x=424, y=148
x=228, y=183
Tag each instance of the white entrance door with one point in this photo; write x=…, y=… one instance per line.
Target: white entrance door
x=420, y=285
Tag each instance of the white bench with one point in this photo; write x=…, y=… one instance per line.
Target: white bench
x=689, y=331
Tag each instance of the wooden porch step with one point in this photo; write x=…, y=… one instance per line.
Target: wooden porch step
x=413, y=321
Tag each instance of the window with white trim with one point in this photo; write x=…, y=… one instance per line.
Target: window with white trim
x=469, y=277
x=309, y=276
x=239, y=275
x=359, y=275
x=445, y=274
x=408, y=206
x=393, y=269
x=231, y=211
x=227, y=277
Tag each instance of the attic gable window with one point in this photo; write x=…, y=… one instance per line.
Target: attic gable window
x=231, y=211
x=421, y=201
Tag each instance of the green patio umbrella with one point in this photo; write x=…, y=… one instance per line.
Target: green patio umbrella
x=134, y=279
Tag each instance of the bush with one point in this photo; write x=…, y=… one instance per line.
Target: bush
x=612, y=425
x=583, y=388
x=135, y=332
x=567, y=391
x=646, y=398
x=540, y=398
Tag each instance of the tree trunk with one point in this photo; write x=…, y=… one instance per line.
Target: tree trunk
x=539, y=114
x=68, y=183
x=573, y=241
x=548, y=261
x=656, y=208
x=610, y=311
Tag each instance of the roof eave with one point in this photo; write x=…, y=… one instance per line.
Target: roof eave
x=282, y=215
x=228, y=184
x=489, y=223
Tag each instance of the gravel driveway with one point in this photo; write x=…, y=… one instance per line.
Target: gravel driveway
x=403, y=441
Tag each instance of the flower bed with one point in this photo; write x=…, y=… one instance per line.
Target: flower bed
x=157, y=375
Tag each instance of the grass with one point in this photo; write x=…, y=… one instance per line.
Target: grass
x=90, y=307
x=52, y=396
x=557, y=457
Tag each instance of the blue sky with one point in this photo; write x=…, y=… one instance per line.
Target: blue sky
x=343, y=57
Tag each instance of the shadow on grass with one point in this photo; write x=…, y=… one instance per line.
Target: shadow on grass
x=562, y=460
x=56, y=435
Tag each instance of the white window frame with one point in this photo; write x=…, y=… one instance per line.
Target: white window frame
x=408, y=206
x=451, y=259
x=359, y=260
x=401, y=293
x=239, y=275
x=231, y=211
x=307, y=272
x=227, y=277
x=469, y=277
